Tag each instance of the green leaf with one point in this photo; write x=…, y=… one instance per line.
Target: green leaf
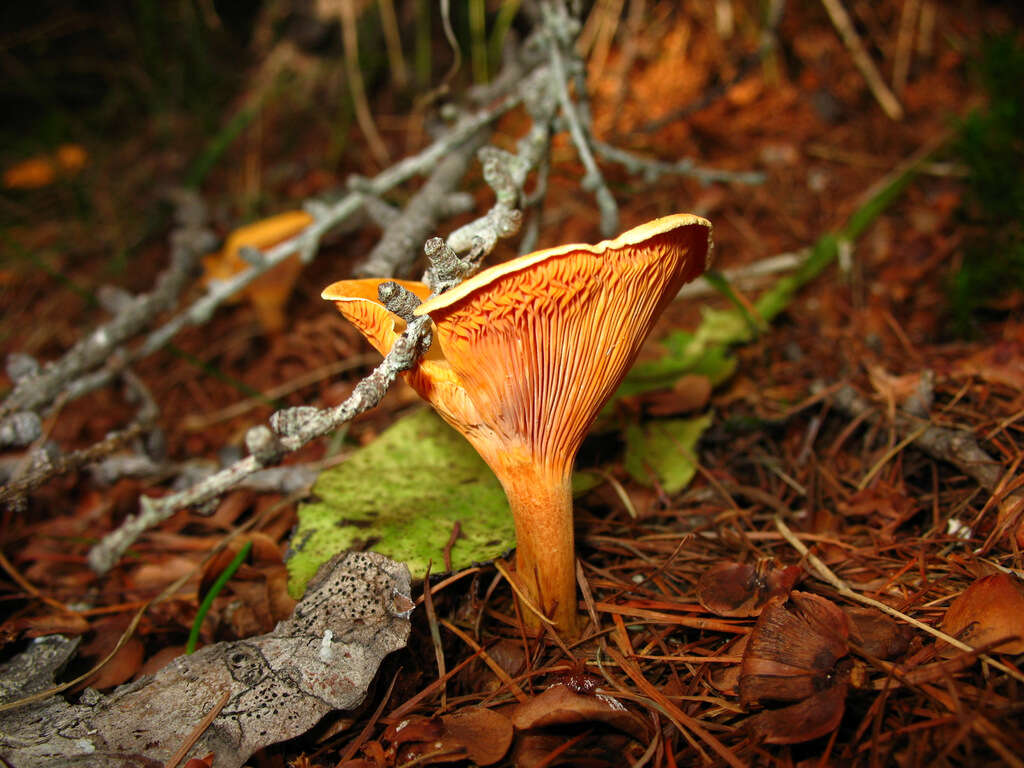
x=684, y=353
x=403, y=494
x=664, y=451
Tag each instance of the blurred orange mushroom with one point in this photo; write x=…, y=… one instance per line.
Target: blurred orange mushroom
x=527, y=353
x=269, y=292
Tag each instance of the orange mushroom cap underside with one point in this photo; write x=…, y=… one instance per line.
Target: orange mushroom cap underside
x=531, y=349
x=432, y=377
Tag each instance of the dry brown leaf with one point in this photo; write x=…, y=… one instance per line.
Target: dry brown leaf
x=559, y=705
x=60, y=623
x=474, y=733
x=414, y=728
x=795, y=654
x=542, y=749
x=691, y=393
x=877, y=634
x=991, y=609
x=71, y=157
x=486, y=734
x=161, y=659
x=793, y=649
x=882, y=507
x=742, y=589
x=123, y=667
x=33, y=173
x=726, y=677
x=808, y=719
x=507, y=654
x=154, y=575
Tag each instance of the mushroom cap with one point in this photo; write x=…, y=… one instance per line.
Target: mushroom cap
x=358, y=301
x=541, y=342
x=432, y=377
x=631, y=238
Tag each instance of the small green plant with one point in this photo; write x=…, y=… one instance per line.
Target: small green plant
x=990, y=142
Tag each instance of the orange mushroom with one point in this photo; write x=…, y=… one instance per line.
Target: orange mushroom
x=527, y=353
x=269, y=292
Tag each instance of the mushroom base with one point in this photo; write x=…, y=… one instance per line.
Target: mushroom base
x=545, y=548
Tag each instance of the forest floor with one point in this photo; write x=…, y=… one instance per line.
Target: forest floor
x=845, y=442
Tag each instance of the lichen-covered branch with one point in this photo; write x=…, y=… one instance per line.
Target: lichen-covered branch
x=400, y=243
x=42, y=465
x=36, y=389
x=290, y=431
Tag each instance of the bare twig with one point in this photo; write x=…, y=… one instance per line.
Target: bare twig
x=650, y=169
x=39, y=389
x=562, y=29
x=400, y=244
x=292, y=432
x=355, y=83
x=44, y=466
x=844, y=25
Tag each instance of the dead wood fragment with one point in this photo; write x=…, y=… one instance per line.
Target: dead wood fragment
x=279, y=685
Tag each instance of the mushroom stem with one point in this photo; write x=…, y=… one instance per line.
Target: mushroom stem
x=545, y=553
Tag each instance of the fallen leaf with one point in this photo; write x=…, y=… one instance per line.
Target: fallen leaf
x=123, y=667
x=726, y=677
x=877, y=634
x=691, y=393
x=71, y=157
x=161, y=659
x=415, y=728
x=507, y=654
x=664, y=451
x=59, y=623
x=559, y=705
x=742, y=589
x=882, y=507
x=480, y=735
x=795, y=654
x=485, y=733
x=33, y=173
x=542, y=749
x=793, y=649
x=815, y=716
x=990, y=609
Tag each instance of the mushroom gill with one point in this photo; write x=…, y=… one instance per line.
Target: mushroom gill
x=530, y=350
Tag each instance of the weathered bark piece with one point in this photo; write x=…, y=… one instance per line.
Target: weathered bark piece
x=279, y=685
